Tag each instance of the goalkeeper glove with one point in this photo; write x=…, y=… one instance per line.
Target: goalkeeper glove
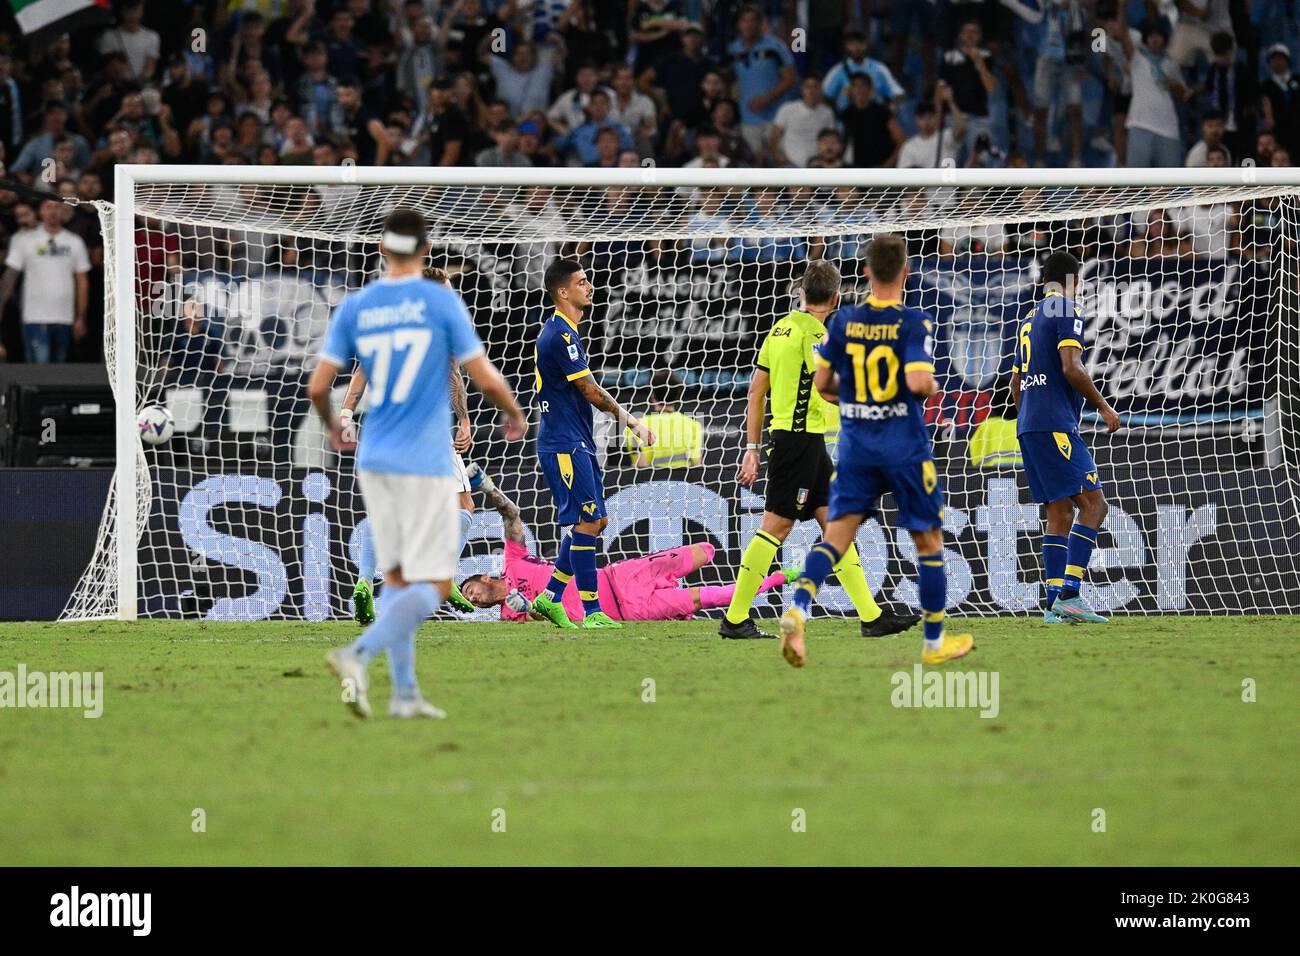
x=479, y=480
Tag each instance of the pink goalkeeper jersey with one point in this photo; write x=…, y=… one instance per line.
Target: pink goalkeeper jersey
x=530, y=576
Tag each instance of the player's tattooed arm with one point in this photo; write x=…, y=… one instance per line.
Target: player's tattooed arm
x=509, y=512
x=460, y=409
x=356, y=388
x=1079, y=379
x=600, y=399
x=351, y=399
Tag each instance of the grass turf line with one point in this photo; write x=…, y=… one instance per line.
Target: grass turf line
x=1142, y=718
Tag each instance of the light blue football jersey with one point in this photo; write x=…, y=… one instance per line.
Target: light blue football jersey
x=405, y=333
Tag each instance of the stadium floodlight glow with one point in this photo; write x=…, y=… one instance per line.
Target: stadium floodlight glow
x=220, y=280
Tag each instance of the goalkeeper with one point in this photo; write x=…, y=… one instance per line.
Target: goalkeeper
x=798, y=468
x=638, y=589
x=363, y=595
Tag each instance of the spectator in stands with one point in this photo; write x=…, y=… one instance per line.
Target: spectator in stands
x=531, y=145
x=632, y=109
x=726, y=122
x=317, y=91
x=872, y=130
x=569, y=111
x=11, y=107
x=1266, y=145
x=708, y=146
x=1153, y=237
x=584, y=41
x=674, y=79
x=467, y=26
x=1281, y=101
x=1207, y=229
x=1229, y=86
x=655, y=26
x=440, y=130
x=359, y=129
x=54, y=264
x=141, y=46
x=793, y=140
x=580, y=145
x=248, y=47
x=1154, y=131
x=344, y=52
x=422, y=58
x=186, y=96
x=41, y=146
x=830, y=151
x=298, y=143
x=933, y=143
x=836, y=85
x=1198, y=22
x=1062, y=55
x=524, y=81
x=764, y=215
x=1213, y=130
x=535, y=215
x=967, y=69
x=118, y=150
x=908, y=20
x=764, y=71
x=708, y=224
x=506, y=152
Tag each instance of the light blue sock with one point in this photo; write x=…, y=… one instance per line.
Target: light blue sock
x=404, y=611
x=401, y=662
x=366, y=559
x=401, y=665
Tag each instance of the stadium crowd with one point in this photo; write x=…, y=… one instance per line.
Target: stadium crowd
x=716, y=83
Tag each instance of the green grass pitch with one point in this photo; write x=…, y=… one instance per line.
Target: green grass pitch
x=1142, y=719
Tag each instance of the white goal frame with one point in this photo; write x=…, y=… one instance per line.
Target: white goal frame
x=126, y=177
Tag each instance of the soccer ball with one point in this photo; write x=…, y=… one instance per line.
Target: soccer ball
x=156, y=425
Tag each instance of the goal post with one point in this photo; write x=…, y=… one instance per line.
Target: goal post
x=220, y=281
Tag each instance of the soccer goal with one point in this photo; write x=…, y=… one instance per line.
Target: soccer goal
x=221, y=280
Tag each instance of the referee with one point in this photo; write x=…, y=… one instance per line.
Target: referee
x=798, y=468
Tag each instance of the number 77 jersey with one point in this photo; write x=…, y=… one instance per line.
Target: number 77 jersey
x=872, y=347
x=405, y=333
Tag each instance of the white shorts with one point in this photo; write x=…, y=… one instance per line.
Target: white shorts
x=415, y=523
x=462, y=479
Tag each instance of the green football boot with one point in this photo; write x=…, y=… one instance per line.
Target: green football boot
x=458, y=600
x=363, y=603
x=553, y=611
x=600, y=620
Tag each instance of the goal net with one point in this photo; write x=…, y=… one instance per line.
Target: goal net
x=225, y=278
